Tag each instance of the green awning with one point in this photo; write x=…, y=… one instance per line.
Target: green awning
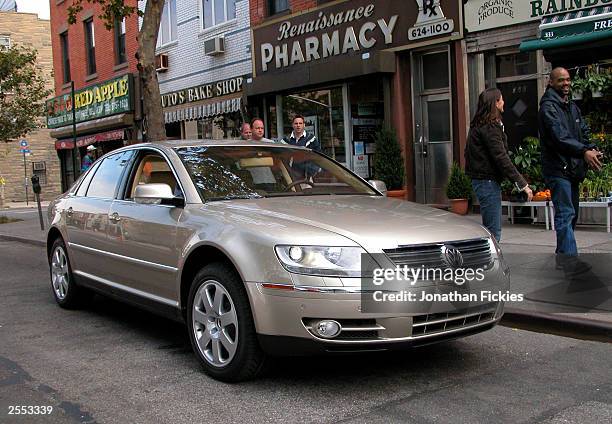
x=572, y=28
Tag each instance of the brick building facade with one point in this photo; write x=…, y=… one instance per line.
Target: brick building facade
x=106, y=66
x=92, y=56
x=27, y=30
x=206, y=50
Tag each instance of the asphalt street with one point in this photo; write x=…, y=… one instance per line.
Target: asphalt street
x=112, y=363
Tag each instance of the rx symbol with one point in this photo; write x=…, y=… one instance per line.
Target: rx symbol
x=429, y=5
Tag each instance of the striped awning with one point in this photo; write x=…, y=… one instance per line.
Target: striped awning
x=572, y=28
x=198, y=111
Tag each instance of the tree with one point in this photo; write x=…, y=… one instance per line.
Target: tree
x=114, y=11
x=22, y=93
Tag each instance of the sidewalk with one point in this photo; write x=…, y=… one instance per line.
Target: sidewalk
x=549, y=299
x=28, y=230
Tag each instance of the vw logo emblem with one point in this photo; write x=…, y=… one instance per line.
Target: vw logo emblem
x=452, y=256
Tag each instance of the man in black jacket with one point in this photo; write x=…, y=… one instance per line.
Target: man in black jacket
x=299, y=136
x=564, y=141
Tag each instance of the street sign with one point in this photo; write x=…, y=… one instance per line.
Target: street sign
x=23, y=143
x=25, y=151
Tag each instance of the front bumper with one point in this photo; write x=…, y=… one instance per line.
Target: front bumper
x=284, y=319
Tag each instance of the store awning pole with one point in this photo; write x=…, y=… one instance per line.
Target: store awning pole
x=75, y=149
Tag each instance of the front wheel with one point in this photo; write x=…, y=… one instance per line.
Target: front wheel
x=67, y=294
x=221, y=327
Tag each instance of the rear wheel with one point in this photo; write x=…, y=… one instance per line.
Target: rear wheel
x=221, y=327
x=67, y=294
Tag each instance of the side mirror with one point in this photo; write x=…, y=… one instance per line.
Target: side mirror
x=379, y=185
x=157, y=194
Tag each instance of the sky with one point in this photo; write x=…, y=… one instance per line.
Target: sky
x=34, y=6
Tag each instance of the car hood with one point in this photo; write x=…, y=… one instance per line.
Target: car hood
x=374, y=222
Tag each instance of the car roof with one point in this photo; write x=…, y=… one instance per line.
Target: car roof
x=174, y=144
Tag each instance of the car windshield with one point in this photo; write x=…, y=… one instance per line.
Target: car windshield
x=244, y=172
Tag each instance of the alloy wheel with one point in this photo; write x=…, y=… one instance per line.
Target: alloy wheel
x=60, y=273
x=215, y=323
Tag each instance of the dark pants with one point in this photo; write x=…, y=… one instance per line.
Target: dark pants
x=488, y=193
x=566, y=198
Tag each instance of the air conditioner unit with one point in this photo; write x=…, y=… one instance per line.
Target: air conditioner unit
x=214, y=46
x=39, y=166
x=161, y=62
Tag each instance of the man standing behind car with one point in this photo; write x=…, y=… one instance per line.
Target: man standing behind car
x=245, y=131
x=564, y=141
x=257, y=129
x=299, y=137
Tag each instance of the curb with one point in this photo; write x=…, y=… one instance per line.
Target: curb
x=569, y=326
x=23, y=240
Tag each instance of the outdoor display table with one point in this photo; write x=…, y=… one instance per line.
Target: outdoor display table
x=607, y=205
x=532, y=206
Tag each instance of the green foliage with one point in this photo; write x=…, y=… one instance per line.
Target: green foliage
x=388, y=160
x=603, y=142
x=112, y=10
x=22, y=93
x=459, y=185
x=598, y=81
x=528, y=162
x=579, y=84
x=597, y=183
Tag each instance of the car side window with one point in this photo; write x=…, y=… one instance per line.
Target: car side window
x=108, y=175
x=82, y=190
x=152, y=168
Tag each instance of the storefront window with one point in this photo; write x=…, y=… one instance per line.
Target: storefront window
x=511, y=65
x=220, y=127
x=435, y=71
x=515, y=74
x=367, y=117
x=324, y=116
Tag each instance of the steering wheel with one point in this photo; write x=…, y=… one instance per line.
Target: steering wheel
x=304, y=181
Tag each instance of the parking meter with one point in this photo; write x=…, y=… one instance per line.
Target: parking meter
x=35, y=184
x=36, y=189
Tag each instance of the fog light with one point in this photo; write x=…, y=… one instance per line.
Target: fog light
x=327, y=329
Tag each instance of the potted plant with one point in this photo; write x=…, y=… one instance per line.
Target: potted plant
x=528, y=163
x=597, y=83
x=458, y=190
x=389, y=163
x=579, y=86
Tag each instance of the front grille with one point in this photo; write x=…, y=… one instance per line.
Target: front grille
x=476, y=254
x=428, y=324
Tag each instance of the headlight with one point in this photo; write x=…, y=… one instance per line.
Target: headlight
x=321, y=260
x=500, y=257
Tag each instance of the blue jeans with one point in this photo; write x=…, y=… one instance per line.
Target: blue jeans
x=566, y=198
x=488, y=193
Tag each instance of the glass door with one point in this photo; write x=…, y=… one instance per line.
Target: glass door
x=433, y=143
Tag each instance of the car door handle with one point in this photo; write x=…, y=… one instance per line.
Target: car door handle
x=69, y=212
x=114, y=217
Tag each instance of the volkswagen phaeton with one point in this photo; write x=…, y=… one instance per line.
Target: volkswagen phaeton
x=260, y=248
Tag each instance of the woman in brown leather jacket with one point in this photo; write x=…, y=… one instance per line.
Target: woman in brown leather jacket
x=487, y=161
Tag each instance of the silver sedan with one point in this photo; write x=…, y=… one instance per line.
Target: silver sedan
x=267, y=249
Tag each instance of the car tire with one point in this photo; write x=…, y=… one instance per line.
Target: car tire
x=221, y=327
x=66, y=292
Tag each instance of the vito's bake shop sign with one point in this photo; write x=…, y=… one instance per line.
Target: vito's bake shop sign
x=350, y=28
